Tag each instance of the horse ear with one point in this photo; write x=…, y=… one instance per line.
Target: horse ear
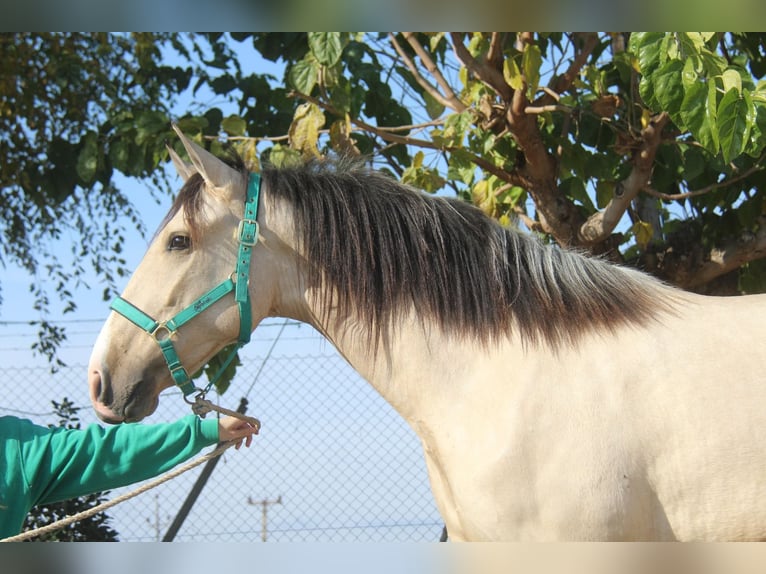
x=215, y=172
x=185, y=170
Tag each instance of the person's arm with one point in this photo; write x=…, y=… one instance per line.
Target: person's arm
x=70, y=463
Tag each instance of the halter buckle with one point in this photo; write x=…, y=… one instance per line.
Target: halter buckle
x=159, y=330
x=247, y=231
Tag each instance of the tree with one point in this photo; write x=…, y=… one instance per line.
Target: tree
x=74, y=110
x=647, y=148
x=93, y=529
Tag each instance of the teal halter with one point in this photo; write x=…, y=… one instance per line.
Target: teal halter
x=163, y=331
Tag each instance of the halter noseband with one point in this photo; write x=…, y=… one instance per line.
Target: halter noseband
x=163, y=331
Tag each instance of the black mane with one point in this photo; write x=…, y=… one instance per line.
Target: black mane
x=384, y=249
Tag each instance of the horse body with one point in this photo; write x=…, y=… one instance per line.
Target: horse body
x=610, y=422
x=631, y=436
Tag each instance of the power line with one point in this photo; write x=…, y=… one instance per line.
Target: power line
x=26, y=413
x=101, y=320
x=52, y=322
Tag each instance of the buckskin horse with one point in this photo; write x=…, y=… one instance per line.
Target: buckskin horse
x=557, y=396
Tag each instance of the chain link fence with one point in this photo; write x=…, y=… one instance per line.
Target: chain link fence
x=333, y=462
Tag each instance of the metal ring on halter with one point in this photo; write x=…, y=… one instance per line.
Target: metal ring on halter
x=200, y=394
x=161, y=325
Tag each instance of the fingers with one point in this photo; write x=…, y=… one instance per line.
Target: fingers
x=233, y=429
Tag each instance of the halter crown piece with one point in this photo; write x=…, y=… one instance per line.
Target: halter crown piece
x=163, y=331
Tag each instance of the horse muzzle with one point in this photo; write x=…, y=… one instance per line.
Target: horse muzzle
x=114, y=410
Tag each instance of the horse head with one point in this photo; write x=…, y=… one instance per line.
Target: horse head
x=195, y=250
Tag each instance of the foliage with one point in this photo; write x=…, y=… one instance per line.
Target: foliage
x=75, y=110
x=647, y=148
x=93, y=529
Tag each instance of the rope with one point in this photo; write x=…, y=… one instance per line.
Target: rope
x=108, y=504
x=202, y=406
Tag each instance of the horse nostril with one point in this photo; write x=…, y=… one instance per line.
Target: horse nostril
x=100, y=391
x=95, y=386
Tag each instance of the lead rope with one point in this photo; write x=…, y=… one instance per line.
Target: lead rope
x=201, y=406
x=66, y=521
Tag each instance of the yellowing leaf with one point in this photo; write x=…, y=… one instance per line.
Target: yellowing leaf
x=512, y=74
x=463, y=75
x=731, y=79
x=646, y=116
x=483, y=197
x=643, y=232
x=249, y=154
x=304, y=131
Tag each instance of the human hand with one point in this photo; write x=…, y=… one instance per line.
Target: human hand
x=231, y=428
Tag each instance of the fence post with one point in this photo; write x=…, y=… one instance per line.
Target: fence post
x=196, y=489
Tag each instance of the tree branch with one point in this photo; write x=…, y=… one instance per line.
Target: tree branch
x=548, y=108
x=450, y=100
x=562, y=83
x=487, y=74
x=748, y=247
x=495, y=52
x=601, y=224
x=708, y=188
x=388, y=135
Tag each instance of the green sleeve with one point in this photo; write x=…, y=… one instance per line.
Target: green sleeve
x=70, y=463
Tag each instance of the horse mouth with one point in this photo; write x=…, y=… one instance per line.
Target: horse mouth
x=136, y=407
x=135, y=411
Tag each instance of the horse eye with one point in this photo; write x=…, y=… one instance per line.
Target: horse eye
x=179, y=242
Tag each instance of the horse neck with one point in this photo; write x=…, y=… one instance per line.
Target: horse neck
x=394, y=366
x=405, y=366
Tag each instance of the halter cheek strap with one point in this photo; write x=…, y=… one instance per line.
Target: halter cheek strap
x=164, y=331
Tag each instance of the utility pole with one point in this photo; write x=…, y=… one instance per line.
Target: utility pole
x=158, y=523
x=265, y=503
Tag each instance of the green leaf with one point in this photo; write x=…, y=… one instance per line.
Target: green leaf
x=531, y=62
x=734, y=118
x=646, y=47
x=689, y=75
x=692, y=41
x=434, y=108
x=461, y=167
x=87, y=160
x=282, y=156
x=150, y=123
x=574, y=188
x=668, y=87
x=119, y=155
x=304, y=74
x=234, y=125
x=327, y=47
x=694, y=163
x=698, y=114
x=604, y=193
